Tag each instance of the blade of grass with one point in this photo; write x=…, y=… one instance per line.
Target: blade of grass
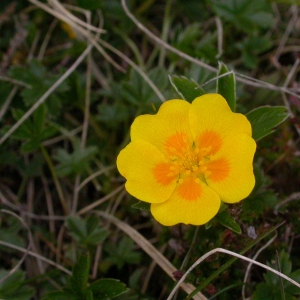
x=280, y=278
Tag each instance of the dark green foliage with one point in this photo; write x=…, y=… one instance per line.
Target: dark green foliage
x=225, y=219
x=226, y=86
x=14, y=287
x=142, y=205
x=123, y=253
x=86, y=232
x=264, y=119
x=75, y=162
x=271, y=289
x=56, y=154
x=187, y=89
x=39, y=81
x=262, y=196
x=246, y=15
x=79, y=289
x=34, y=130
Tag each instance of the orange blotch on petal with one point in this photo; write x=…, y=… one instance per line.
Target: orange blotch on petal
x=177, y=144
x=210, y=139
x=219, y=169
x=163, y=173
x=189, y=189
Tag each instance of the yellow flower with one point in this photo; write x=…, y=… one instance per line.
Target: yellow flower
x=188, y=158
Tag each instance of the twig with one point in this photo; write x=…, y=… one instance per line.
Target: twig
x=220, y=37
x=292, y=197
x=26, y=251
x=85, y=121
x=50, y=262
x=240, y=77
x=151, y=251
x=287, y=32
x=101, y=200
x=94, y=175
x=47, y=94
x=7, y=102
x=60, y=8
x=205, y=256
x=46, y=40
x=248, y=270
x=163, y=43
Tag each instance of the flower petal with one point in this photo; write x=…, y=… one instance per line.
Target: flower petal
x=146, y=171
x=231, y=168
x=195, y=203
x=167, y=129
x=211, y=112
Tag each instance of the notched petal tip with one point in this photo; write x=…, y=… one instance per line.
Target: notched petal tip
x=179, y=209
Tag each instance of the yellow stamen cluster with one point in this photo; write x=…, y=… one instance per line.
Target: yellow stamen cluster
x=191, y=162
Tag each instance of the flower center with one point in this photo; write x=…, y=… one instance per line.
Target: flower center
x=191, y=163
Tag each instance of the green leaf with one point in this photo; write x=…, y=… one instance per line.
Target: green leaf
x=13, y=287
x=11, y=283
x=186, y=88
x=247, y=15
x=60, y=295
x=225, y=219
x=10, y=237
x=86, y=232
x=226, y=86
x=80, y=273
x=75, y=162
x=33, y=130
x=263, y=119
x=113, y=114
x=285, y=266
x=77, y=227
x=39, y=81
x=265, y=292
x=124, y=253
x=103, y=289
x=208, y=224
x=141, y=205
x=252, y=47
x=39, y=117
x=291, y=288
x=258, y=201
x=137, y=92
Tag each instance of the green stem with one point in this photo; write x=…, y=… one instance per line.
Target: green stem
x=56, y=181
x=186, y=259
x=280, y=278
x=188, y=254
